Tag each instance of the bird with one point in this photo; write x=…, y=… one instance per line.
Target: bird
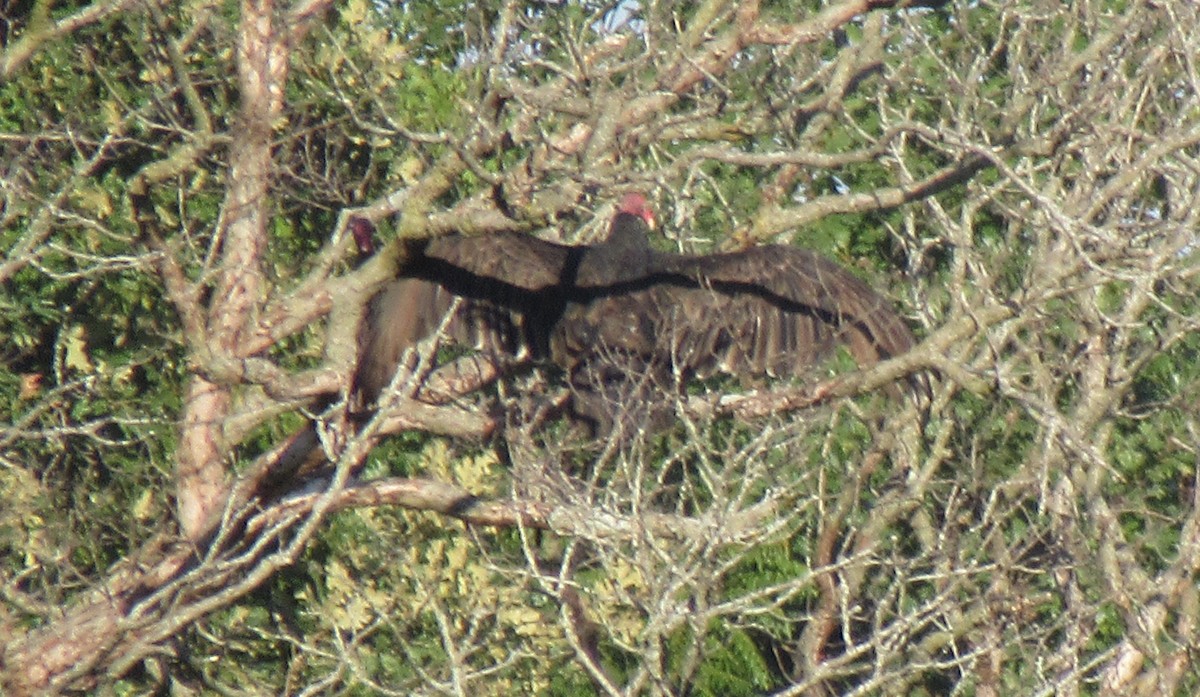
x=620, y=318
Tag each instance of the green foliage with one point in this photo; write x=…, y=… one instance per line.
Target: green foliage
x=734, y=665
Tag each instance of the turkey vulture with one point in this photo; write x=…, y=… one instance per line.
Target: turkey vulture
x=618, y=314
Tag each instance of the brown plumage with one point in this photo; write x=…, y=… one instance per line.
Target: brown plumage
x=509, y=291
x=619, y=313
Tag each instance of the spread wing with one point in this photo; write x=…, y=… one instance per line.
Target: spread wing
x=772, y=310
x=503, y=267
x=499, y=294
x=409, y=310
x=502, y=293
